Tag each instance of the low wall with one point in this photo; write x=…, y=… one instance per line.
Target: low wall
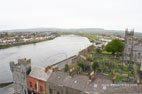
x=87, y=50
x=60, y=65
x=5, y=84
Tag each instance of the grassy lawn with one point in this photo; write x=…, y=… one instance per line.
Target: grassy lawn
x=113, y=67
x=107, y=65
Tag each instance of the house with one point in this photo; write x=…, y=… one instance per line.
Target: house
x=75, y=84
x=36, y=80
x=55, y=83
x=99, y=83
x=63, y=83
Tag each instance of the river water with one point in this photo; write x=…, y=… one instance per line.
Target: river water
x=41, y=54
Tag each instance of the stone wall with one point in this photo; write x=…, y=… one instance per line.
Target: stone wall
x=60, y=65
x=87, y=50
x=56, y=89
x=19, y=73
x=68, y=90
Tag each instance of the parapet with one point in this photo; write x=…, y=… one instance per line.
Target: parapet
x=22, y=64
x=129, y=32
x=24, y=61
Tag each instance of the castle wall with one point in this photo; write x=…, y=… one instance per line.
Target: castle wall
x=19, y=73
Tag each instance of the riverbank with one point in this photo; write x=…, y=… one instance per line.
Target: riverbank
x=42, y=54
x=24, y=43
x=92, y=36
x=5, y=84
x=7, y=89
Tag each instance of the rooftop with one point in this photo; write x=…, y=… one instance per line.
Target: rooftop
x=78, y=82
x=97, y=83
x=57, y=77
x=39, y=73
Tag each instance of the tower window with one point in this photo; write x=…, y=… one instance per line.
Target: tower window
x=139, y=55
x=58, y=92
x=50, y=91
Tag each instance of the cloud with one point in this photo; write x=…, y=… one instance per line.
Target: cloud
x=110, y=14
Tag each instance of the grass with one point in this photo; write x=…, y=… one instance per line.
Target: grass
x=106, y=53
x=114, y=67
x=90, y=35
x=109, y=66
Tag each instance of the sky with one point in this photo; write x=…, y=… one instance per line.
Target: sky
x=107, y=14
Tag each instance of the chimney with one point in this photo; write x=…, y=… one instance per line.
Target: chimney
x=47, y=68
x=55, y=68
x=71, y=72
x=91, y=76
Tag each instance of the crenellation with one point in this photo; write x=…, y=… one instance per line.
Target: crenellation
x=132, y=50
x=20, y=71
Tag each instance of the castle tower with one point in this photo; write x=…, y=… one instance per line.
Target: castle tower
x=128, y=48
x=19, y=73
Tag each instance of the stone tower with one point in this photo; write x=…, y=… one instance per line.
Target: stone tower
x=128, y=48
x=19, y=73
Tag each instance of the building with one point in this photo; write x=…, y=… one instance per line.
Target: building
x=55, y=82
x=98, y=83
x=63, y=83
x=40, y=80
x=20, y=72
x=133, y=48
x=76, y=84
x=36, y=80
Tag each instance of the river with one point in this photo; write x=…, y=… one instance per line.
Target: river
x=41, y=54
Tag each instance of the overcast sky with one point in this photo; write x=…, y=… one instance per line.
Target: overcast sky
x=107, y=14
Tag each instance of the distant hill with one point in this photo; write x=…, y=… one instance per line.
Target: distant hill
x=60, y=30
x=96, y=30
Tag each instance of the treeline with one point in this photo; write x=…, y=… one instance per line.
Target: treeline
x=22, y=43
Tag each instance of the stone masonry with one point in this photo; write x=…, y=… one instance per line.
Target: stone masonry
x=20, y=72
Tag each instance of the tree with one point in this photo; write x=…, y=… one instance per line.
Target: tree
x=95, y=66
x=98, y=50
x=81, y=65
x=66, y=68
x=84, y=66
x=115, y=46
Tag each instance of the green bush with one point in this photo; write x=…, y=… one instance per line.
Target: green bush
x=115, y=46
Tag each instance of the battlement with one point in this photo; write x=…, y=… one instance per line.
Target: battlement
x=20, y=71
x=22, y=65
x=129, y=32
x=24, y=61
